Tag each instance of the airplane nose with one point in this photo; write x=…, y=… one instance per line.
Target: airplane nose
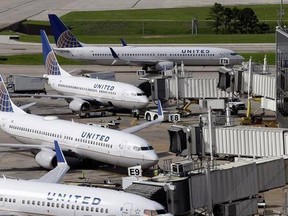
x=143, y=102
x=150, y=159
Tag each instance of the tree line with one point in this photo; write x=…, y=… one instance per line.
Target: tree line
x=234, y=21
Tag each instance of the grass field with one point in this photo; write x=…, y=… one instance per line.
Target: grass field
x=158, y=26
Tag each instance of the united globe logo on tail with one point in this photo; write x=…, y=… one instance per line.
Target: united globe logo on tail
x=67, y=39
x=51, y=64
x=5, y=104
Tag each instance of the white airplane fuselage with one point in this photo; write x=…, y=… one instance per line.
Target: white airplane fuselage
x=38, y=198
x=190, y=56
x=96, y=143
x=117, y=94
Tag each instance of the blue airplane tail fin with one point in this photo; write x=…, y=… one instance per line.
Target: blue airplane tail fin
x=6, y=105
x=49, y=58
x=62, y=35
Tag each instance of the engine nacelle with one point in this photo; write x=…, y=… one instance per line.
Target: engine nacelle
x=79, y=105
x=46, y=158
x=165, y=65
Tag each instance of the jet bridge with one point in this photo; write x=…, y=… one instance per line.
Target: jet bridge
x=183, y=86
x=234, y=186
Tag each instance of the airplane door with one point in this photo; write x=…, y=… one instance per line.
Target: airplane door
x=123, y=94
x=127, y=209
x=122, y=148
x=1, y=200
x=3, y=122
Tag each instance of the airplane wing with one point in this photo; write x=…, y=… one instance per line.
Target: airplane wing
x=56, y=175
x=56, y=96
x=147, y=124
x=28, y=147
x=27, y=106
x=11, y=213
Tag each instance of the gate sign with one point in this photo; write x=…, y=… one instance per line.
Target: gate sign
x=135, y=171
x=174, y=117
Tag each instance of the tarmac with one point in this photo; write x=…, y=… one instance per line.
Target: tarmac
x=21, y=164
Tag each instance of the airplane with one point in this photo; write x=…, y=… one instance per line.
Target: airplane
x=46, y=196
x=149, y=57
x=80, y=141
x=85, y=93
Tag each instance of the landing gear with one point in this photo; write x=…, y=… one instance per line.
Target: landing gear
x=136, y=114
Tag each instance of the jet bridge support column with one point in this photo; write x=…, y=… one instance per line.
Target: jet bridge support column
x=176, y=84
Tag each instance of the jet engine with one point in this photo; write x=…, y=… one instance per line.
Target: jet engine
x=79, y=105
x=46, y=158
x=165, y=65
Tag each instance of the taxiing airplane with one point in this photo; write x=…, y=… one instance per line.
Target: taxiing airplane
x=120, y=148
x=86, y=93
x=154, y=57
x=43, y=197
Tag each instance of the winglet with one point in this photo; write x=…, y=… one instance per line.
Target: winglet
x=115, y=56
x=114, y=53
x=62, y=35
x=123, y=42
x=59, y=154
x=160, y=111
x=56, y=175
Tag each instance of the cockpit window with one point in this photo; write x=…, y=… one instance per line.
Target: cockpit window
x=234, y=54
x=146, y=148
x=161, y=211
x=141, y=94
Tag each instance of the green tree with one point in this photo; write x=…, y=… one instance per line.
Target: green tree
x=234, y=24
x=247, y=21
x=263, y=28
x=227, y=18
x=216, y=14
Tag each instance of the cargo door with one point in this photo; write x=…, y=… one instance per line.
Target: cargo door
x=79, y=54
x=127, y=209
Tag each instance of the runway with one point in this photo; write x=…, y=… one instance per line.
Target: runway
x=13, y=11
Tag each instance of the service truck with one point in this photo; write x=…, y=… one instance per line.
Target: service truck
x=25, y=84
